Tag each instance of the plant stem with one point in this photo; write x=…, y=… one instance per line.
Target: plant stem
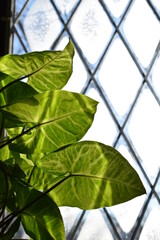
x=44, y=193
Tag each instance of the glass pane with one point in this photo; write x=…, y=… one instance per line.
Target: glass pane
x=41, y=25
x=115, y=77
x=151, y=230
x=127, y=213
x=144, y=131
x=66, y=6
x=140, y=32
x=95, y=227
x=116, y=7
x=103, y=128
x=70, y=217
x=157, y=4
x=91, y=29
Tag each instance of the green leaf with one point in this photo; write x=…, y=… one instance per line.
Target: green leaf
x=25, y=164
x=5, y=79
x=60, y=118
x=12, y=170
x=100, y=176
x=45, y=70
x=2, y=100
x=42, y=220
x=19, y=90
x=5, y=153
x=9, y=112
x=41, y=180
x=12, y=230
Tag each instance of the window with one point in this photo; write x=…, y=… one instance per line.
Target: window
x=117, y=62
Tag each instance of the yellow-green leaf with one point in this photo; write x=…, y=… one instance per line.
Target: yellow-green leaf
x=99, y=176
x=46, y=70
x=60, y=118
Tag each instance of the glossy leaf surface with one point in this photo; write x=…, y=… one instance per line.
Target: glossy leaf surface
x=42, y=220
x=60, y=118
x=100, y=176
x=45, y=70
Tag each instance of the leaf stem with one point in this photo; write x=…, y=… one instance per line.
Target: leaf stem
x=19, y=135
x=29, y=179
x=44, y=193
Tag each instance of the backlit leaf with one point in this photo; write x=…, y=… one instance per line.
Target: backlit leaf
x=46, y=70
x=100, y=176
x=19, y=90
x=60, y=118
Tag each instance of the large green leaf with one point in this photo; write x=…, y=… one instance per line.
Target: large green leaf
x=45, y=70
x=99, y=176
x=19, y=90
x=42, y=220
x=60, y=118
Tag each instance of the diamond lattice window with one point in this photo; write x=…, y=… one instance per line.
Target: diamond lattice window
x=117, y=62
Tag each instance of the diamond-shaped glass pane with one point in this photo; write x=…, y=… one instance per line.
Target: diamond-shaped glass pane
x=115, y=77
x=19, y=5
x=144, y=131
x=41, y=25
x=127, y=213
x=103, y=128
x=91, y=29
x=66, y=6
x=95, y=227
x=151, y=229
x=70, y=217
x=116, y=7
x=17, y=46
x=142, y=31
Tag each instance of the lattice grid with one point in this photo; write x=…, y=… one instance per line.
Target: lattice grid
x=116, y=62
